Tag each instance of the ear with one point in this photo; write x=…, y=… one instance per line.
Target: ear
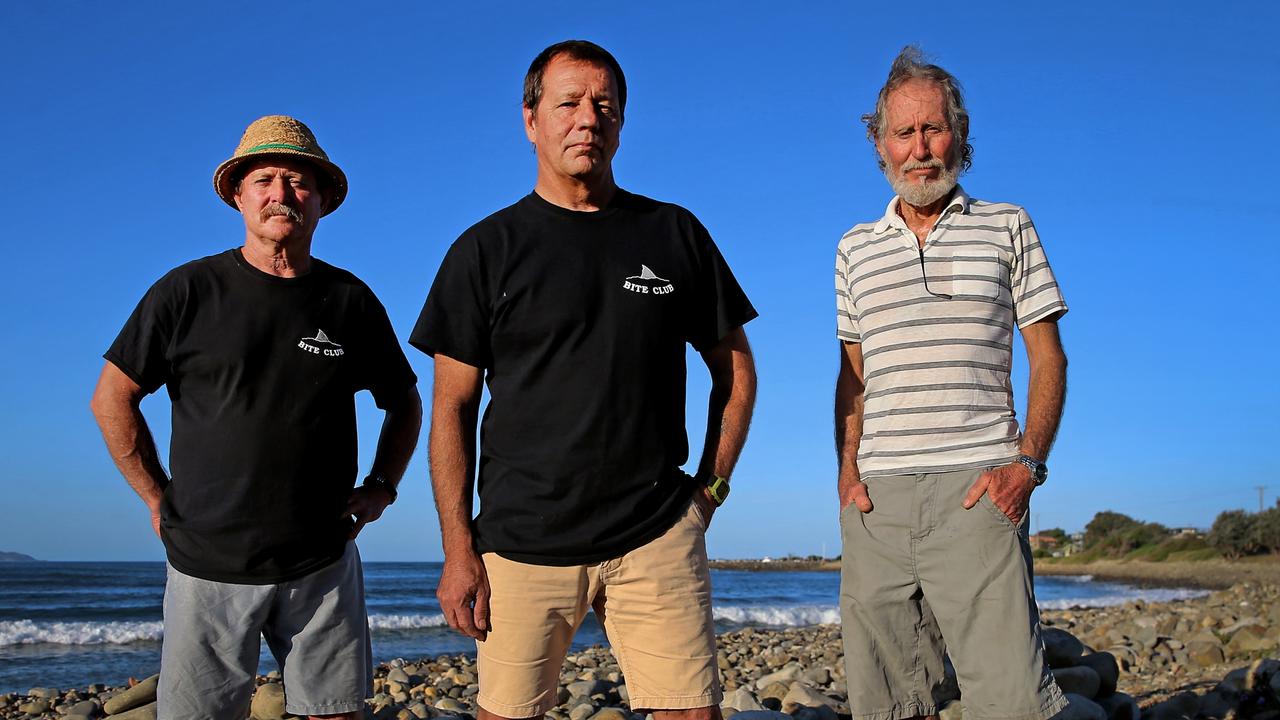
x=530, y=124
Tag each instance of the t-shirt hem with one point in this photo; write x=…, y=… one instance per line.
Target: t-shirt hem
x=129, y=372
x=255, y=579
x=929, y=469
x=641, y=540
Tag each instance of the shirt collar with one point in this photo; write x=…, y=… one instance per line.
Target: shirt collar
x=959, y=202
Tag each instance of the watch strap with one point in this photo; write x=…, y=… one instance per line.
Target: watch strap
x=375, y=480
x=718, y=489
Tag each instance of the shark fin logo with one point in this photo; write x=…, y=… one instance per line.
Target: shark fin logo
x=648, y=283
x=320, y=345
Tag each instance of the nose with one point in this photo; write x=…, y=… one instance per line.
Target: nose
x=279, y=190
x=919, y=146
x=587, y=117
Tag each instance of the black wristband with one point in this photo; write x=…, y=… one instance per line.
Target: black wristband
x=381, y=482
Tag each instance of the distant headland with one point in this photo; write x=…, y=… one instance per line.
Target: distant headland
x=15, y=557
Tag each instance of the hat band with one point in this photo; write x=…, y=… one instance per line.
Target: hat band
x=276, y=146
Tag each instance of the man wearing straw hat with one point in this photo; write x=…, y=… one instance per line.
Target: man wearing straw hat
x=262, y=349
x=577, y=304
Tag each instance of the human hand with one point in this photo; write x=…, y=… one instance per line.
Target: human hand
x=1008, y=486
x=364, y=505
x=705, y=504
x=855, y=492
x=463, y=594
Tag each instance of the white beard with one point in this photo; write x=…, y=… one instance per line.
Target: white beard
x=920, y=194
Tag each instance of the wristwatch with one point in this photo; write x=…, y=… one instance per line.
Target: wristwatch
x=718, y=489
x=375, y=480
x=1039, y=471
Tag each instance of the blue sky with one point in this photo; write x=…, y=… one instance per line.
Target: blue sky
x=1137, y=136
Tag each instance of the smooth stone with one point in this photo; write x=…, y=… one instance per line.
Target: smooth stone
x=774, y=691
x=87, y=708
x=146, y=712
x=1108, y=670
x=761, y=715
x=785, y=676
x=1120, y=706
x=1061, y=648
x=1246, y=640
x=1079, y=680
x=43, y=693
x=742, y=700
x=611, y=713
x=817, y=676
x=419, y=710
x=587, y=688
x=450, y=705
x=801, y=695
x=136, y=696
x=582, y=712
x=953, y=711
x=398, y=675
x=1206, y=654
x=1080, y=707
x=1182, y=706
x=268, y=702
x=38, y=706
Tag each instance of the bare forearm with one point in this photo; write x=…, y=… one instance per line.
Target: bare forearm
x=398, y=438
x=730, y=405
x=132, y=448
x=1046, y=395
x=452, y=458
x=850, y=396
x=1046, y=391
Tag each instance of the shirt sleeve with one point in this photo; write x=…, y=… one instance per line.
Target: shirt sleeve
x=385, y=370
x=455, y=317
x=141, y=350
x=722, y=304
x=846, y=319
x=1036, y=294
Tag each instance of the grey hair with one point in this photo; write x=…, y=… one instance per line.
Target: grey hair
x=911, y=65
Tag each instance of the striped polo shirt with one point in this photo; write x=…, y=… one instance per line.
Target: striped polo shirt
x=936, y=328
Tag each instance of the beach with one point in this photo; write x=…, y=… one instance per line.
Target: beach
x=1161, y=660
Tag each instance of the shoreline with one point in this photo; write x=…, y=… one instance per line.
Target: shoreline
x=1218, y=574
x=1186, y=655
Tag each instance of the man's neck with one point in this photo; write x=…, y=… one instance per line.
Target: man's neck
x=921, y=219
x=288, y=258
x=575, y=194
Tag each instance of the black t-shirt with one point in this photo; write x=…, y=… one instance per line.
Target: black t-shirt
x=262, y=372
x=580, y=321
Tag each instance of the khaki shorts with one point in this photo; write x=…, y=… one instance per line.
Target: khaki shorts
x=920, y=576
x=655, y=603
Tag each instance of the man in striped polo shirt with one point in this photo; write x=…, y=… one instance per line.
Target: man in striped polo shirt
x=935, y=477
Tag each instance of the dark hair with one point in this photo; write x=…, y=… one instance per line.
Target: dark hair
x=911, y=65
x=583, y=50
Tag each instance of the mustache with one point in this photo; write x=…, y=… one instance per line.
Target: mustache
x=931, y=164
x=275, y=209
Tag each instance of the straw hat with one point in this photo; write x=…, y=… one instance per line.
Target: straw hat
x=279, y=135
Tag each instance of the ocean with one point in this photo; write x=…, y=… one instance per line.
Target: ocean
x=70, y=624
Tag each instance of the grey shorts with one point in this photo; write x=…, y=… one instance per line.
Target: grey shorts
x=922, y=576
x=315, y=627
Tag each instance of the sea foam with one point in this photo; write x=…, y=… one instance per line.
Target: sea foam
x=778, y=616
x=405, y=622
x=28, y=632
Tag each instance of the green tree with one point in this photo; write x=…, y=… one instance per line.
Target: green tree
x=1266, y=530
x=1104, y=526
x=1234, y=534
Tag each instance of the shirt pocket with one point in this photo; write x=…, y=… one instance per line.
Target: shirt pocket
x=979, y=273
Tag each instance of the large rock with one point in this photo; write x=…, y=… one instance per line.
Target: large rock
x=786, y=676
x=1080, y=707
x=146, y=712
x=587, y=688
x=1182, y=706
x=136, y=696
x=761, y=715
x=1249, y=640
x=801, y=695
x=1079, y=680
x=268, y=702
x=1061, y=648
x=1119, y=706
x=773, y=691
x=742, y=700
x=1108, y=670
x=1205, y=653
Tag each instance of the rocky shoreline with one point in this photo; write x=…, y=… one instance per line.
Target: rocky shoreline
x=1209, y=657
